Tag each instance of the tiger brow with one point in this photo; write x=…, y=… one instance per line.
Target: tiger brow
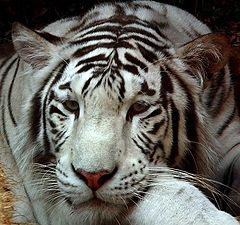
x=146, y=90
x=65, y=86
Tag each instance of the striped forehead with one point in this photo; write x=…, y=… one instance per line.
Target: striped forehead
x=106, y=81
x=113, y=54
x=111, y=80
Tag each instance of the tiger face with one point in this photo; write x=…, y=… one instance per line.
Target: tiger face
x=105, y=116
x=107, y=121
x=107, y=126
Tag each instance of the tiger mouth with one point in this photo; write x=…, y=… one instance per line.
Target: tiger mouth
x=93, y=203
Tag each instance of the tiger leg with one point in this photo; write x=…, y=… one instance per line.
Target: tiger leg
x=178, y=202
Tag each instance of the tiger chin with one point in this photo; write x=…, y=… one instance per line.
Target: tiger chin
x=117, y=117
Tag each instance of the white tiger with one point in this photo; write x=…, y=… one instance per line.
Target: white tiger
x=112, y=118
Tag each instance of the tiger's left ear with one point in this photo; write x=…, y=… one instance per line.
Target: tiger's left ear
x=207, y=54
x=32, y=47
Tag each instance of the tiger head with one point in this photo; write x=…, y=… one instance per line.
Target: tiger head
x=108, y=112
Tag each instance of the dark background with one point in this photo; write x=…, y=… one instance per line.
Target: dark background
x=220, y=15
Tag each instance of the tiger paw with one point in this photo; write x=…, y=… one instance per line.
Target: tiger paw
x=178, y=202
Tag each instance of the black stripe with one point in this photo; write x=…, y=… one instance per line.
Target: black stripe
x=4, y=127
x=135, y=6
x=100, y=80
x=65, y=86
x=5, y=61
x=85, y=68
x=117, y=60
x=156, y=127
x=132, y=69
x=5, y=73
x=57, y=148
x=114, y=28
x=229, y=150
x=87, y=83
x=145, y=41
x=192, y=124
x=92, y=38
x=36, y=115
x=154, y=46
x=123, y=44
x=96, y=58
x=166, y=82
x=109, y=83
x=167, y=120
x=216, y=84
x=54, y=131
x=115, y=20
x=60, y=135
x=150, y=56
x=220, y=100
x=147, y=145
x=144, y=151
x=146, y=90
x=52, y=124
x=62, y=67
x=122, y=89
x=85, y=50
x=53, y=109
x=158, y=27
x=79, y=27
x=10, y=93
x=154, y=113
x=52, y=96
x=136, y=61
x=79, y=53
x=192, y=36
x=142, y=32
x=175, y=130
x=227, y=122
x=226, y=91
x=147, y=138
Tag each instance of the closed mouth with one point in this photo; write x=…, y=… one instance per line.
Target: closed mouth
x=91, y=203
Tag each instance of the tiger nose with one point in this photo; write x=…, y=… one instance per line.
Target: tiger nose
x=94, y=180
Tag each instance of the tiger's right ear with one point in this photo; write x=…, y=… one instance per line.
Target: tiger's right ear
x=206, y=55
x=31, y=46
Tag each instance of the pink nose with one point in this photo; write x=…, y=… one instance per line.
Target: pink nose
x=94, y=180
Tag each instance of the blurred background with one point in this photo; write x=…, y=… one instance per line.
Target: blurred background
x=220, y=15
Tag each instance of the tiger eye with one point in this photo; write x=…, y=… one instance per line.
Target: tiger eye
x=140, y=107
x=71, y=106
x=137, y=108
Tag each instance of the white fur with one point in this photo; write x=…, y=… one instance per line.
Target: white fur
x=101, y=138
x=174, y=202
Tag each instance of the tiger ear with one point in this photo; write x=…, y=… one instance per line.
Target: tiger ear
x=207, y=54
x=31, y=46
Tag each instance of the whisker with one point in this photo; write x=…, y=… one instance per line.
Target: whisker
x=55, y=206
x=116, y=219
x=196, y=180
x=134, y=201
x=124, y=202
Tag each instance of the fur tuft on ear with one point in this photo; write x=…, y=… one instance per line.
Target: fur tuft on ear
x=207, y=54
x=31, y=47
